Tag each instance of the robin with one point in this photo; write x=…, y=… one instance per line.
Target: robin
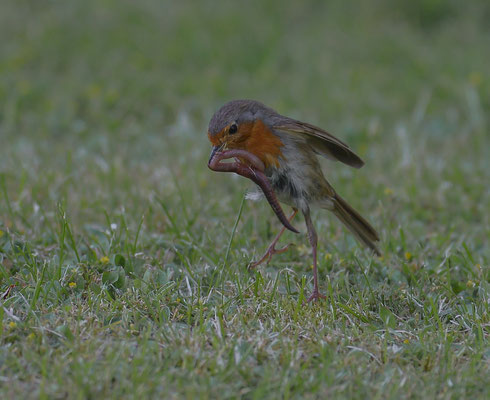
x=280, y=155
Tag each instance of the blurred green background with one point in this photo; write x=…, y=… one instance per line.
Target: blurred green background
x=87, y=87
x=104, y=107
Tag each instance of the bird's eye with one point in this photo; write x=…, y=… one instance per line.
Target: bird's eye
x=233, y=129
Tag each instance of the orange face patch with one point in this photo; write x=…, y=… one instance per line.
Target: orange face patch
x=254, y=137
x=217, y=139
x=264, y=144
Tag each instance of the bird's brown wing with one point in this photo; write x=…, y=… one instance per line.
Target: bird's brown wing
x=321, y=141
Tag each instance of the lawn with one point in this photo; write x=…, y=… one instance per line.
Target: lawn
x=123, y=259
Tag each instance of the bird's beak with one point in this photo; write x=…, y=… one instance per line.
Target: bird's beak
x=214, y=150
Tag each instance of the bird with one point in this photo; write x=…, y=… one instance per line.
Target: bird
x=280, y=154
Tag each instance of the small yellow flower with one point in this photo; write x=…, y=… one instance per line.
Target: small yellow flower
x=104, y=260
x=178, y=300
x=2, y=233
x=406, y=341
x=408, y=256
x=72, y=285
x=31, y=336
x=93, y=90
x=311, y=266
x=12, y=325
x=328, y=256
x=470, y=284
x=475, y=78
x=478, y=266
x=388, y=191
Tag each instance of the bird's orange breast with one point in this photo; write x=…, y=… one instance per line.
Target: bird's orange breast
x=262, y=142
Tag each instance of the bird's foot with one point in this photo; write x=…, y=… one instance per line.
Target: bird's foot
x=315, y=296
x=268, y=254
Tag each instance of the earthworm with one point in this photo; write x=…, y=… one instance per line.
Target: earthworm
x=254, y=171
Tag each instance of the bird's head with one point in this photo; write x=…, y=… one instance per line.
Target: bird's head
x=246, y=125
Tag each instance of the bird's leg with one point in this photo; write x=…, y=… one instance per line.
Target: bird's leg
x=313, y=238
x=271, y=250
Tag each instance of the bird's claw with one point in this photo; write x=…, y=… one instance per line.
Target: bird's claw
x=315, y=296
x=268, y=255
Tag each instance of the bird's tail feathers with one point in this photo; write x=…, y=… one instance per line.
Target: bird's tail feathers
x=361, y=229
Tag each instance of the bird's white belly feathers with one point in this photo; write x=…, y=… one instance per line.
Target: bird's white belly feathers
x=298, y=181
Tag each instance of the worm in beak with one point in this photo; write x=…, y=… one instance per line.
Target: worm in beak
x=214, y=150
x=254, y=171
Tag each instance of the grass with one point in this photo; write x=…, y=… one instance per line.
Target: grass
x=123, y=258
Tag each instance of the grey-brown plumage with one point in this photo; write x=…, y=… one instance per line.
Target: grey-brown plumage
x=288, y=149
